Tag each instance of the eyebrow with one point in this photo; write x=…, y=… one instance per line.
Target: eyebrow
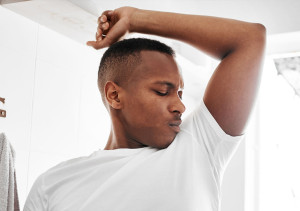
x=169, y=84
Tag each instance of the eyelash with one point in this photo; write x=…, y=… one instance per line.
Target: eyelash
x=165, y=94
x=162, y=94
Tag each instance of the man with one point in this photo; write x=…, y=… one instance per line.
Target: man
x=151, y=160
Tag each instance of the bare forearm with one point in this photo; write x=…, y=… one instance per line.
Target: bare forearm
x=240, y=45
x=231, y=91
x=216, y=36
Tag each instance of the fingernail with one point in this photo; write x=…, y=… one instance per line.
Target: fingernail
x=102, y=19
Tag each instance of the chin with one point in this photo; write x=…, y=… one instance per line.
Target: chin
x=165, y=143
x=160, y=141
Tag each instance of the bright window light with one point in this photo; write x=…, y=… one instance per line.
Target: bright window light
x=277, y=136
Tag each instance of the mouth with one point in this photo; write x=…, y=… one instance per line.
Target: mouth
x=175, y=125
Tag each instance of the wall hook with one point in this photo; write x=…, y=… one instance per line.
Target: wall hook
x=2, y=112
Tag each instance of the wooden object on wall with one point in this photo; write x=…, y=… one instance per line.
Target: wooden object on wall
x=2, y=112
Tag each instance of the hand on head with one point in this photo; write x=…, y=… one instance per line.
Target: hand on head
x=112, y=26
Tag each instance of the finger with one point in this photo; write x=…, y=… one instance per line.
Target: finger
x=98, y=37
x=103, y=43
x=108, y=14
x=105, y=26
x=102, y=30
x=91, y=43
x=113, y=35
x=97, y=44
x=99, y=34
x=102, y=19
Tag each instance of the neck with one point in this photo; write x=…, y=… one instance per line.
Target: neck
x=119, y=138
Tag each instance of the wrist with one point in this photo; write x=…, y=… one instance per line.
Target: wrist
x=134, y=18
x=145, y=21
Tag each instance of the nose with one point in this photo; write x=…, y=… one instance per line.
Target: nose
x=177, y=106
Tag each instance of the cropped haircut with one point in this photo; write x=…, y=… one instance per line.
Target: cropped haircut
x=121, y=58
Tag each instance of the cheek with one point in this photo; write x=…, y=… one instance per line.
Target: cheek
x=146, y=111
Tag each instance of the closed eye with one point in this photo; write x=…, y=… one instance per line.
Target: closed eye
x=161, y=93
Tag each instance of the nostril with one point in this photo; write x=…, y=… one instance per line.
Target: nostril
x=177, y=106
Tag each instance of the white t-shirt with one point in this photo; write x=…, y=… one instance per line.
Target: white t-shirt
x=185, y=176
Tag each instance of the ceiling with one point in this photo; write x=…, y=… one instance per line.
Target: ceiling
x=77, y=19
x=80, y=15
x=278, y=16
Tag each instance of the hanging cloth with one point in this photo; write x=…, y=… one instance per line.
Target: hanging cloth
x=9, y=200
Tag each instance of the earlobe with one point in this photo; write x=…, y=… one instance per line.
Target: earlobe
x=112, y=95
x=115, y=105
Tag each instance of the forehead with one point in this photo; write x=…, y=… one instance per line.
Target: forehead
x=156, y=66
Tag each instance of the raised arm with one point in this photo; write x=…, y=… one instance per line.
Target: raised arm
x=231, y=91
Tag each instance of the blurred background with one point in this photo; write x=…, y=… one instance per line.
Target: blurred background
x=48, y=77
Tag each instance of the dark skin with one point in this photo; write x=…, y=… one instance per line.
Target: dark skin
x=232, y=89
x=147, y=111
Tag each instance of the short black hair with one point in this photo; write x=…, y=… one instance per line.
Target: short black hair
x=122, y=57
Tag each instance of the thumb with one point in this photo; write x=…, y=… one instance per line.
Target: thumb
x=98, y=44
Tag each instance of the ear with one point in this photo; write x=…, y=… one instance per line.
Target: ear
x=112, y=94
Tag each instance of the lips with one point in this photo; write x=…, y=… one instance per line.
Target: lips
x=175, y=125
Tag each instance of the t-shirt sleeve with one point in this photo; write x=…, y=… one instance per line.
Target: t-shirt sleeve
x=36, y=199
x=205, y=130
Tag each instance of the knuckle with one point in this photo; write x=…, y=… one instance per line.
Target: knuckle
x=99, y=20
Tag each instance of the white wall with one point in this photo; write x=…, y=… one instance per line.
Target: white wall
x=54, y=110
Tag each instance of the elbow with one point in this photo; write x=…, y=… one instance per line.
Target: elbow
x=260, y=28
x=251, y=36
x=258, y=34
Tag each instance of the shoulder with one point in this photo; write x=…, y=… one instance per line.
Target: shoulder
x=61, y=171
x=37, y=198
x=67, y=167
